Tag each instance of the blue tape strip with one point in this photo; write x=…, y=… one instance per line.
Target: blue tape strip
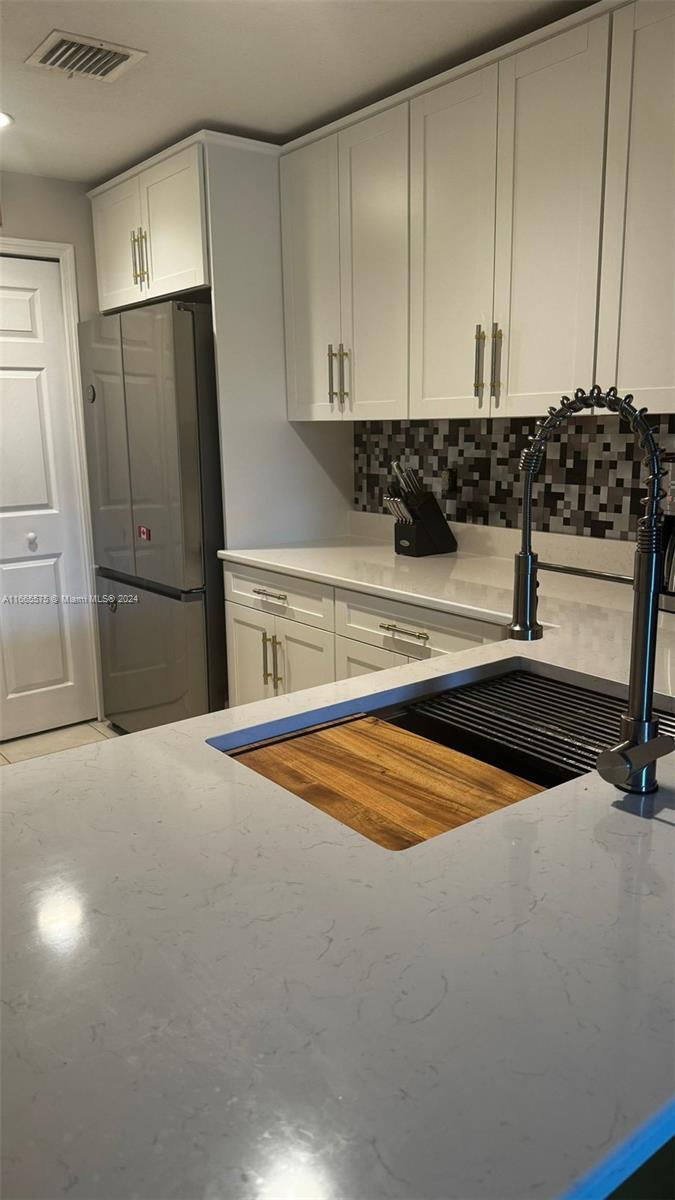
x=602, y=1180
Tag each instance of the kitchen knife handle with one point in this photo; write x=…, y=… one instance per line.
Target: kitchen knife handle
x=266, y=673
x=478, y=361
x=332, y=394
x=276, y=677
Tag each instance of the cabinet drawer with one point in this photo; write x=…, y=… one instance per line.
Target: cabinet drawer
x=284, y=595
x=408, y=628
x=358, y=658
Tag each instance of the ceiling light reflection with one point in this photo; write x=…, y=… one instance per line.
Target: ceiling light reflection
x=60, y=919
x=295, y=1176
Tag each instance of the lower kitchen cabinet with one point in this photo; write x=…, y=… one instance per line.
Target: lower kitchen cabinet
x=269, y=655
x=303, y=656
x=354, y=658
x=249, y=636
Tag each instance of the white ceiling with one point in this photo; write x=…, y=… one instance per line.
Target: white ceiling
x=266, y=68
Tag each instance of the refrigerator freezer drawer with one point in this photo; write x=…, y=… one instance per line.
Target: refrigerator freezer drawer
x=153, y=656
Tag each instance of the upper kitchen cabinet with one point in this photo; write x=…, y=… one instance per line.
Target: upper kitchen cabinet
x=345, y=256
x=150, y=231
x=373, y=170
x=636, y=346
x=550, y=152
x=311, y=268
x=453, y=140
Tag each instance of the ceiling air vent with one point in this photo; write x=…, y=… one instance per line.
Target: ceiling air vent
x=79, y=55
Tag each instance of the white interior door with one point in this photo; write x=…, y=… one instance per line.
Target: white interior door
x=453, y=139
x=636, y=338
x=311, y=253
x=47, y=662
x=374, y=207
x=550, y=146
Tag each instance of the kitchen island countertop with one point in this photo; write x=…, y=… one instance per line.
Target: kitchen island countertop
x=213, y=990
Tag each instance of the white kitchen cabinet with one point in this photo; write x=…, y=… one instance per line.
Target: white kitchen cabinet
x=173, y=223
x=311, y=272
x=116, y=216
x=373, y=178
x=636, y=339
x=354, y=658
x=249, y=636
x=550, y=151
x=345, y=262
x=305, y=656
x=150, y=232
x=408, y=628
x=453, y=140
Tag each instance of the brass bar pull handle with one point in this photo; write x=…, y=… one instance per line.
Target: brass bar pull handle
x=266, y=595
x=266, y=673
x=276, y=677
x=143, y=272
x=495, y=362
x=342, y=355
x=332, y=394
x=477, y=362
x=389, y=628
x=134, y=258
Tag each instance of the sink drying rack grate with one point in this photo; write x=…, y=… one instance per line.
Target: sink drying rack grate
x=546, y=719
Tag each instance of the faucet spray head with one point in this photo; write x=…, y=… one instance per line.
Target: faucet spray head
x=525, y=627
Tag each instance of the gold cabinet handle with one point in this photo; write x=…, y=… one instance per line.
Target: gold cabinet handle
x=134, y=257
x=495, y=362
x=266, y=595
x=276, y=677
x=478, y=362
x=332, y=394
x=389, y=628
x=342, y=355
x=266, y=673
x=142, y=240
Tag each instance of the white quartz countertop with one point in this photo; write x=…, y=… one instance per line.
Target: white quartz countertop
x=213, y=990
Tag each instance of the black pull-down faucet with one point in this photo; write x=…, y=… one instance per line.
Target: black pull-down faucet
x=631, y=764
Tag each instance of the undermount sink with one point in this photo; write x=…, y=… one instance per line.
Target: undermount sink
x=405, y=773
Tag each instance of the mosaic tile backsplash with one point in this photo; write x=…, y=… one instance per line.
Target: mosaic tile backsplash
x=589, y=485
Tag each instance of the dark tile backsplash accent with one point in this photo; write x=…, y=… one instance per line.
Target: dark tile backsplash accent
x=590, y=482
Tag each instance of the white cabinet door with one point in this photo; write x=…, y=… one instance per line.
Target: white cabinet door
x=453, y=139
x=552, y=100
x=116, y=216
x=305, y=656
x=311, y=268
x=249, y=654
x=173, y=221
x=373, y=171
x=636, y=340
x=354, y=658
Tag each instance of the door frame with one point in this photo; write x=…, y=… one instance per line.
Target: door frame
x=64, y=254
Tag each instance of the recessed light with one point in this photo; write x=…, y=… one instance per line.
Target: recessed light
x=6, y=119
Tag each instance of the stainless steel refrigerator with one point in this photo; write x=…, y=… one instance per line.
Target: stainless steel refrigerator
x=153, y=459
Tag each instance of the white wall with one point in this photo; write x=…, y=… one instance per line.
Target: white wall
x=53, y=210
x=282, y=482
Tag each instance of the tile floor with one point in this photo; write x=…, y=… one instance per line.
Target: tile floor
x=53, y=741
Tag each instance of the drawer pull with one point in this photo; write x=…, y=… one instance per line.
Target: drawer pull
x=388, y=628
x=266, y=595
x=267, y=674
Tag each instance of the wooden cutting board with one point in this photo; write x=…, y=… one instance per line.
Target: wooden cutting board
x=392, y=786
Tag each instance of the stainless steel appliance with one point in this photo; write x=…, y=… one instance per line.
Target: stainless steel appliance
x=153, y=457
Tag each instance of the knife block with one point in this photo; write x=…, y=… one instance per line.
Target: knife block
x=429, y=532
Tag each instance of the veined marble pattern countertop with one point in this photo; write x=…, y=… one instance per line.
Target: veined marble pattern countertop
x=213, y=990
